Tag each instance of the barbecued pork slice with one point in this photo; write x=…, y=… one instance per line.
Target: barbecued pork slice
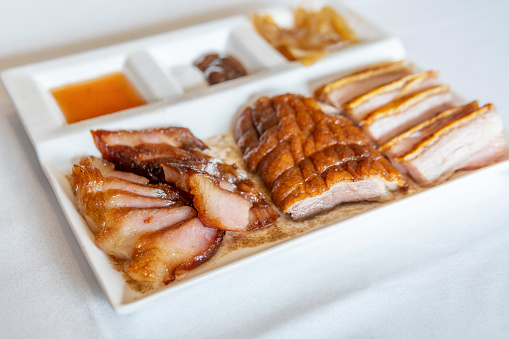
x=122, y=226
x=349, y=87
x=213, y=184
x=173, y=136
x=107, y=169
x=461, y=138
x=159, y=255
x=358, y=108
x=402, y=114
x=311, y=161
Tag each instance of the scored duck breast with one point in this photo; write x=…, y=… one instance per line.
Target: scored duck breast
x=159, y=255
x=402, y=114
x=359, y=107
x=459, y=138
x=311, y=161
x=351, y=86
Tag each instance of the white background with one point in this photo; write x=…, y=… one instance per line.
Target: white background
x=437, y=266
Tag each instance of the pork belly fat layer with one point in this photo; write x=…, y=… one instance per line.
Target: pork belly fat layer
x=321, y=153
x=397, y=117
x=159, y=255
x=454, y=146
x=345, y=89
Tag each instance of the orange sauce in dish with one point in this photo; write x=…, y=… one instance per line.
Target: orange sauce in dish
x=92, y=98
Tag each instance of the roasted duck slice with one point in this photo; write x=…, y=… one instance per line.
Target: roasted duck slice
x=213, y=184
x=402, y=114
x=358, y=108
x=351, y=86
x=464, y=137
x=159, y=255
x=311, y=161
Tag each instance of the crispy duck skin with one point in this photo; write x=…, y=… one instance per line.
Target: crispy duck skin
x=468, y=137
x=358, y=108
x=159, y=255
x=318, y=160
x=351, y=86
x=404, y=113
x=218, y=189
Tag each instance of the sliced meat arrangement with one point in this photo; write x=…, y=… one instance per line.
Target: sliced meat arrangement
x=119, y=211
x=414, y=119
x=311, y=161
x=177, y=222
x=461, y=137
x=223, y=197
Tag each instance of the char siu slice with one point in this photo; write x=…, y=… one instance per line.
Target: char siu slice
x=159, y=255
x=311, y=161
x=118, y=211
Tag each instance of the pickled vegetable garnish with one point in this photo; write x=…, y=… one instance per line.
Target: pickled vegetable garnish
x=314, y=34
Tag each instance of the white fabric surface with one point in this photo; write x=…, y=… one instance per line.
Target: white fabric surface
x=438, y=266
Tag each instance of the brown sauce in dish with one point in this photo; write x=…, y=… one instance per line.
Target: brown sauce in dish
x=219, y=69
x=92, y=98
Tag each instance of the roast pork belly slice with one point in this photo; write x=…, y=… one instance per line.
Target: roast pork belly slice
x=358, y=108
x=173, y=136
x=320, y=153
x=402, y=114
x=122, y=226
x=349, y=87
x=459, y=144
x=160, y=254
x=405, y=142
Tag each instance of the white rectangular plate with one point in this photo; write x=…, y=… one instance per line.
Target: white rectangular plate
x=156, y=69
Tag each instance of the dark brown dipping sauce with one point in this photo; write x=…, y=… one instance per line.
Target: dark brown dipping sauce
x=219, y=69
x=92, y=98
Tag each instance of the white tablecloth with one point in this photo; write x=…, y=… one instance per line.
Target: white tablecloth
x=436, y=266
